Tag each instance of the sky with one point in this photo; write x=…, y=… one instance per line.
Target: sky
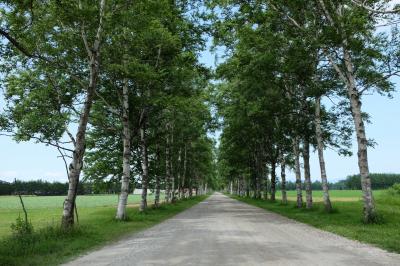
x=31, y=161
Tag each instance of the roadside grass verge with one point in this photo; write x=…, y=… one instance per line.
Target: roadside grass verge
x=45, y=211
x=52, y=246
x=346, y=219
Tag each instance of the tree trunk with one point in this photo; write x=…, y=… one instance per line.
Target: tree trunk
x=247, y=188
x=178, y=170
x=318, y=133
x=273, y=180
x=283, y=180
x=307, y=175
x=190, y=188
x=168, y=171
x=145, y=166
x=126, y=157
x=184, y=173
x=158, y=184
x=355, y=102
x=266, y=186
x=298, y=172
x=75, y=167
x=172, y=171
x=231, y=187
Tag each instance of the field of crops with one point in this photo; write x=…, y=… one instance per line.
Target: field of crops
x=46, y=210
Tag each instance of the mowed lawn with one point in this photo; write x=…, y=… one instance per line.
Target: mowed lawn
x=335, y=195
x=346, y=219
x=47, y=210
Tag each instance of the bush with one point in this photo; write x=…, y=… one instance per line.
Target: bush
x=394, y=190
x=21, y=228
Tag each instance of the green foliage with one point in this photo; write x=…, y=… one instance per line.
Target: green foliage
x=42, y=188
x=378, y=181
x=394, y=190
x=21, y=229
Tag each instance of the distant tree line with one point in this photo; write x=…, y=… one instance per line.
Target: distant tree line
x=352, y=182
x=45, y=188
x=378, y=181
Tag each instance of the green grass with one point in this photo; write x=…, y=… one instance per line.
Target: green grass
x=346, y=219
x=336, y=195
x=46, y=211
x=51, y=246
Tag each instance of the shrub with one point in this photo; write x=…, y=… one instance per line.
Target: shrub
x=21, y=228
x=394, y=190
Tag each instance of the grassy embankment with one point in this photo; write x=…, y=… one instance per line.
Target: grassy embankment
x=346, y=219
x=49, y=245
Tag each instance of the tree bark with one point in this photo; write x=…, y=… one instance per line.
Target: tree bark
x=184, y=172
x=320, y=144
x=283, y=180
x=298, y=172
x=76, y=165
x=179, y=177
x=247, y=188
x=355, y=103
x=126, y=157
x=190, y=188
x=145, y=166
x=266, y=186
x=158, y=181
x=307, y=175
x=168, y=171
x=273, y=180
x=362, y=142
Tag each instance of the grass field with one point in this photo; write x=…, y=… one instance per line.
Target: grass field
x=51, y=246
x=46, y=210
x=336, y=195
x=346, y=219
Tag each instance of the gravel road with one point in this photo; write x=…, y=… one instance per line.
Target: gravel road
x=222, y=231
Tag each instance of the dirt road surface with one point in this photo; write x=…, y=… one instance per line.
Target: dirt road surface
x=223, y=231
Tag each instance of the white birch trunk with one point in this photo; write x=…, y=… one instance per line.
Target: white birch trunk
x=158, y=182
x=307, y=175
x=273, y=180
x=179, y=177
x=283, y=180
x=320, y=145
x=76, y=165
x=355, y=103
x=362, y=142
x=126, y=157
x=184, y=173
x=168, y=172
x=298, y=172
x=145, y=167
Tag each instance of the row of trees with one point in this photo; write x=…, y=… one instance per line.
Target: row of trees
x=100, y=186
x=294, y=78
x=45, y=188
x=115, y=87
